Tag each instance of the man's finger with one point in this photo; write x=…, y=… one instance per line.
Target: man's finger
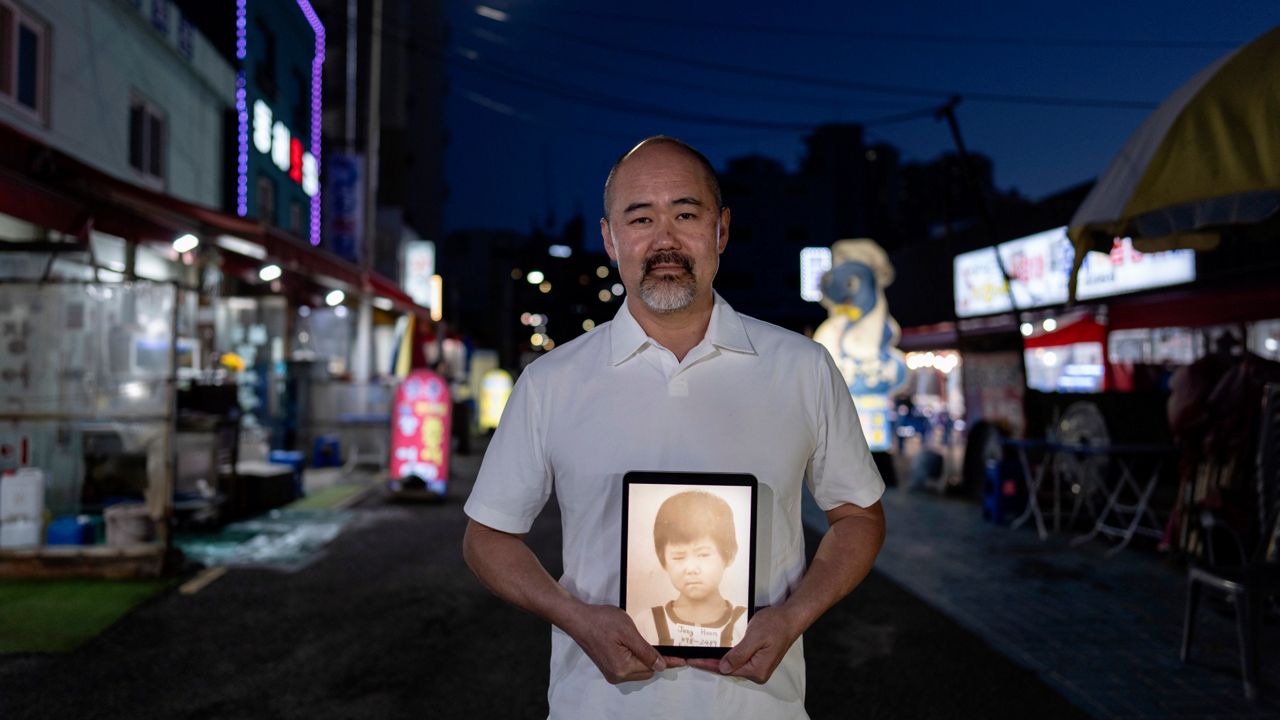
x=643, y=651
x=736, y=658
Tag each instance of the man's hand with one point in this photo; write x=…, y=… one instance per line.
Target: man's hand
x=609, y=637
x=843, y=558
x=768, y=637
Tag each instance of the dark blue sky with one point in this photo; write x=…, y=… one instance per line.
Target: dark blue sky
x=544, y=95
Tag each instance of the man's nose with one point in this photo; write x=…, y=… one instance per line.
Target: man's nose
x=666, y=237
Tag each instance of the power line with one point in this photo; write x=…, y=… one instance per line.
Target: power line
x=809, y=80
x=906, y=37
x=722, y=90
x=609, y=102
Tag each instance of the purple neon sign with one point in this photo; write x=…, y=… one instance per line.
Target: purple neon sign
x=317, y=69
x=242, y=109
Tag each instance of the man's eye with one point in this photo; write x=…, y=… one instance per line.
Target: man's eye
x=639, y=221
x=686, y=216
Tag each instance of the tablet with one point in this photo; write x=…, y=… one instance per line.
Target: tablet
x=688, y=560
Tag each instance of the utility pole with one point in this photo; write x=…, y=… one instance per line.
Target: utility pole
x=362, y=361
x=948, y=112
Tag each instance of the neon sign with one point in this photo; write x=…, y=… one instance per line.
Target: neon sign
x=271, y=137
x=288, y=154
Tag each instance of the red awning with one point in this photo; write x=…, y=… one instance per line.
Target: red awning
x=1196, y=307
x=1070, y=332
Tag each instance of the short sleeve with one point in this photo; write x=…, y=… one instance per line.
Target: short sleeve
x=841, y=469
x=515, y=480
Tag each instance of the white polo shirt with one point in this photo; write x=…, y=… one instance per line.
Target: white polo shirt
x=750, y=398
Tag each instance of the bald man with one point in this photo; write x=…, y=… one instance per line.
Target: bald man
x=677, y=381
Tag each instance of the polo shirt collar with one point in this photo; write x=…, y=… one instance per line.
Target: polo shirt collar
x=725, y=331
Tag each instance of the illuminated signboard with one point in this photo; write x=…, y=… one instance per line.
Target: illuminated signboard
x=270, y=136
x=273, y=138
x=419, y=266
x=495, y=390
x=814, y=261
x=420, y=426
x=1040, y=268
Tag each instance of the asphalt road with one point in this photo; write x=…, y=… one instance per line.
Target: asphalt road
x=388, y=623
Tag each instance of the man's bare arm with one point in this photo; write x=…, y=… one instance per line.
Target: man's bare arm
x=506, y=565
x=846, y=554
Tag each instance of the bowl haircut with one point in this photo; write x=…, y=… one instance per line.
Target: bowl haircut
x=692, y=515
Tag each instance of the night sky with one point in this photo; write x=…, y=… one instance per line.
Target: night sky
x=545, y=95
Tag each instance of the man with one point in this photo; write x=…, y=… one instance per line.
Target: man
x=677, y=381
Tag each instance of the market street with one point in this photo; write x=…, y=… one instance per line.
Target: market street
x=389, y=623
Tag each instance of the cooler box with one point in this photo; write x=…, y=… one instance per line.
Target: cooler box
x=71, y=530
x=21, y=508
x=326, y=451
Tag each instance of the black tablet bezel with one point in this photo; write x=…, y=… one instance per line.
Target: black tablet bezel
x=692, y=481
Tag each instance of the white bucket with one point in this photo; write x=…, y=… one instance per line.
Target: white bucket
x=128, y=524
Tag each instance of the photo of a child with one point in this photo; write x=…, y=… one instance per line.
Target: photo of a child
x=695, y=541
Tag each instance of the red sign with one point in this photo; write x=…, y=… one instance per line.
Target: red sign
x=420, y=433
x=295, y=160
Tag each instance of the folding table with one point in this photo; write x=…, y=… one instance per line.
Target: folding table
x=1127, y=511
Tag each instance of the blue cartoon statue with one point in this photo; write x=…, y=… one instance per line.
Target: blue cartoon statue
x=861, y=335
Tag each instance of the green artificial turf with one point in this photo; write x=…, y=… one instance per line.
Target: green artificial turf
x=327, y=498
x=49, y=616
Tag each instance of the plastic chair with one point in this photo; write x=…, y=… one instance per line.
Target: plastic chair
x=1251, y=583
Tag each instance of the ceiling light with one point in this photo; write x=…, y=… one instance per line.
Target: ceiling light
x=186, y=243
x=241, y=246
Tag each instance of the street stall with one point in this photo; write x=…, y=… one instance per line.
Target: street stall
x=1203, y=172
x=88, y=414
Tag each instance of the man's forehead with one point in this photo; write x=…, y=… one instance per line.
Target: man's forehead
x=658, y=171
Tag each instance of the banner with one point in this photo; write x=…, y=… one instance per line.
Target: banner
x=420, y=425
x=343, y=194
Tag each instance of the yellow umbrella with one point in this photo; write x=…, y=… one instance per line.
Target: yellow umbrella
x=1207, y=159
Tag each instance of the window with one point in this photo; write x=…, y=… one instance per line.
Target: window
x=301, y=120
x=266, y=199
x=186, y=42
x=23, y=58
x=160, y=15
x=295, y=217
x=146, y=138
x=265, y=73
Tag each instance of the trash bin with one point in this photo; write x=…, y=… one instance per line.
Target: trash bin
x=1003, y=494
x=926, y=469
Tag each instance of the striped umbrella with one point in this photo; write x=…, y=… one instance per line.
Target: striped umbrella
x=1206, y=160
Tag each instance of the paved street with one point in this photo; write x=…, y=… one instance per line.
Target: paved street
x=1103, y=631
x=388, y=623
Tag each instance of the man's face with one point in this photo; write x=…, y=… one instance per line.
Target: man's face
x=695, y=567
x=664, y=229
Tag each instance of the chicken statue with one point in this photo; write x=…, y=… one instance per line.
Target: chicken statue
x=861, y=335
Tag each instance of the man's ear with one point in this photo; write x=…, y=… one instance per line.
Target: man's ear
x=723, y=230
x=607, y=236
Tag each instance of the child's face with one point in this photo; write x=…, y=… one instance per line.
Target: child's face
x=695, y=568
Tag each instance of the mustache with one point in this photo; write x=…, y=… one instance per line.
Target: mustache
x=668, y=257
